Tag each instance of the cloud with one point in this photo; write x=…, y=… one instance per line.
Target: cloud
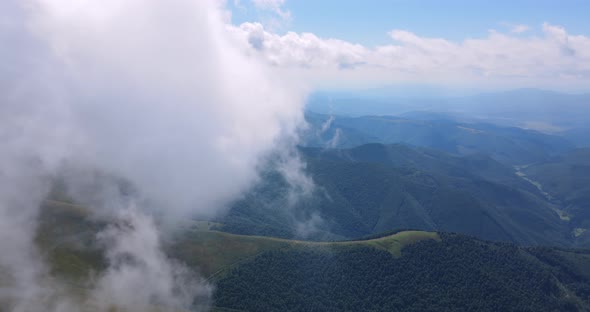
x=519, y=29
x=554, y=58
x=136, y=258
x=515, y=28
x=200, y=104
x=304, y=50
x=275, y=6
x=157, y=94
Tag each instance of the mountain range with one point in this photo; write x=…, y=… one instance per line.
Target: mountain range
x=375, y=187
x=423, y=211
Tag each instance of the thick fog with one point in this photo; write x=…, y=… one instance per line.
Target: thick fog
x=153, y=92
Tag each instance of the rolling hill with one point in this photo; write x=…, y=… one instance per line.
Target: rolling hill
x=405, y=271
x=67, y=234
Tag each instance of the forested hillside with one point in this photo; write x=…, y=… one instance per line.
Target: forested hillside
x=455, y=274
x=374, y=188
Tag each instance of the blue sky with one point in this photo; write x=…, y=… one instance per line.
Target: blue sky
x=368, y=21
x=458, y=43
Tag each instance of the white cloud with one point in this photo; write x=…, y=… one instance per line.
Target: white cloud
x=300, y=50
x=275, y=6
x=155, y=92
x=137, y=260
x=554, y=58
x=519, y=29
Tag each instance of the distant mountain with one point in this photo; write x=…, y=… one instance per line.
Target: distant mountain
x=509, y=145
x=374, y=188
x=528, y=108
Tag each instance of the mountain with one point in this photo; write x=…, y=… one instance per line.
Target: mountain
x=375, y=188
x=404, y=271
x=533, y=108
x=509, y=145
x=524, y=106
x=386, y=227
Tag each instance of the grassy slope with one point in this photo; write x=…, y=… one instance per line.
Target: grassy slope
x=214, y=251
x=66, y=237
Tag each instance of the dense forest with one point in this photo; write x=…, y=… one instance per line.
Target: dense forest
x=457, y=274
x=375, y=187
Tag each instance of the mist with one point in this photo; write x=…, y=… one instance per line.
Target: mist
x=157, y=93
